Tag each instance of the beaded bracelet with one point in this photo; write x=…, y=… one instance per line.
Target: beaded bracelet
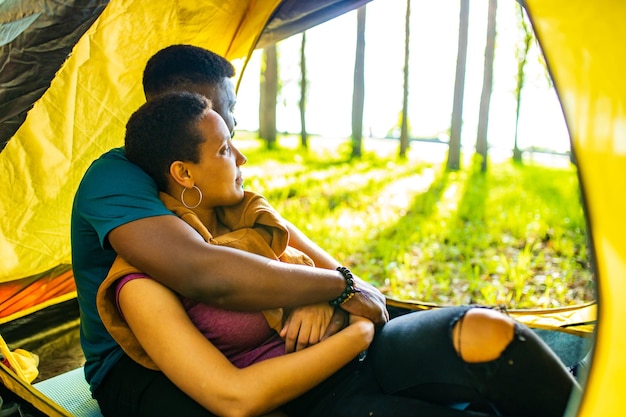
x=350, y=289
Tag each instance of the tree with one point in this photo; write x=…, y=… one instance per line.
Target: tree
x=454, y=149
x=268, y=96
x=404, y=129
x=521, y=50
x=303, y=88
x=358, y=94
x=485, y=97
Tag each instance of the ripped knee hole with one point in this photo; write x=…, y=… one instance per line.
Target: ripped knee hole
x=481, y=335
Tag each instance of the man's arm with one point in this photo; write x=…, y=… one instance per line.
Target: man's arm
x=171, y=252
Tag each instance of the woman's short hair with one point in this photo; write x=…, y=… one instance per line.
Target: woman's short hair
x=165, y=130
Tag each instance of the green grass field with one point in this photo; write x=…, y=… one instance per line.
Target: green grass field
x=515, y=236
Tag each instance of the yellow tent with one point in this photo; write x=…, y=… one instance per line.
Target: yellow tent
x=582, y=44
x=94, y=88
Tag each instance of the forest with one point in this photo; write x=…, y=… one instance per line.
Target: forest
x=428, y=219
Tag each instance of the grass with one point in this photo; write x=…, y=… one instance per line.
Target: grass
x=515, y=236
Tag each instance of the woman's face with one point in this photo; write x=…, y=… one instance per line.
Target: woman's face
x=217, y=174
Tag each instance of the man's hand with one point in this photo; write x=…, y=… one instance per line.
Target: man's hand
x=306, y=326
x=367, y=302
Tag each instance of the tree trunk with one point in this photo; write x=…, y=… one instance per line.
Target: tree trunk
x=304, y=142
x=358, y=95
x=485, y=97
x=522, y=57
x=454, y=147
x=404, y=127
x=268, y=96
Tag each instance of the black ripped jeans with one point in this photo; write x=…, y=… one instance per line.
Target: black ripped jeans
x=412, y=369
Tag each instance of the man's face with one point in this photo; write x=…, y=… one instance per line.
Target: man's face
x=223, y=98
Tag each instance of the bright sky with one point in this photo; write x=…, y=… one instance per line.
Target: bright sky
x=434, y=36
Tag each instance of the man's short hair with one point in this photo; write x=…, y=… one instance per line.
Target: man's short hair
x=178, y=65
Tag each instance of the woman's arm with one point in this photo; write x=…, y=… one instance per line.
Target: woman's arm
x=190, y=361
x=308, y=325
x=300, y=241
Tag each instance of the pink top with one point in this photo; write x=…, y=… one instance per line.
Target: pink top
x=243, y=337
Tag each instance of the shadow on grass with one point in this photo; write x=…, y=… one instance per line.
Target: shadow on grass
x=397, y=238
x=316, y=196
x=471, y=209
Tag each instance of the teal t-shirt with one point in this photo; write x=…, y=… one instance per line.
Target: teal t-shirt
x=113, y=192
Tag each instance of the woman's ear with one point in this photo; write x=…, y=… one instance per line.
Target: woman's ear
x=180, y=174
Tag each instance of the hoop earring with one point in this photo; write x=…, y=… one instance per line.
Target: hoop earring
x=182, y=197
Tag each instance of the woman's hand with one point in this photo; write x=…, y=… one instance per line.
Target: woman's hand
x=309, y=325
x=306, y=326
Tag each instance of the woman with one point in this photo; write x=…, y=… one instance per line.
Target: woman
x=431, y=363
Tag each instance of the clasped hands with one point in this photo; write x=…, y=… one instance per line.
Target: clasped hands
x=308, y=325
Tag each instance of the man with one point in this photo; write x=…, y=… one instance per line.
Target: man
x=117, y=211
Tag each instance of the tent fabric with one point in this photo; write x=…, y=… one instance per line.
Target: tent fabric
x=86, y=105
x=33, y=45
x=583, y=45
x=36, y=398
x=295, y=16
x=82, y=113
x=24, y=296
x=578, y=320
